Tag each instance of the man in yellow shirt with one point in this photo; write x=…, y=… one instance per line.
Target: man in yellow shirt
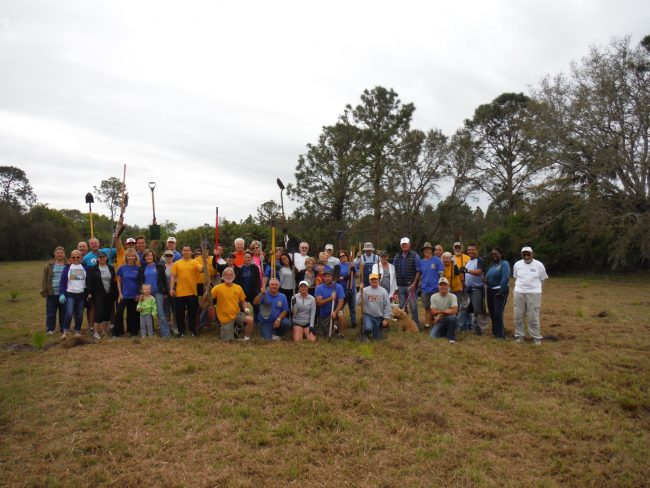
x=231, y=307
x=182, y=286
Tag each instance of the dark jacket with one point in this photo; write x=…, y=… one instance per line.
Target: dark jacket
x=254, y=285
x=94, y=284
x=410, y=268
x=161, y=279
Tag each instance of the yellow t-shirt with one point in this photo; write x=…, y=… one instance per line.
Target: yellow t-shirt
x=186, y=272
x=228, y=298
x=454, y=280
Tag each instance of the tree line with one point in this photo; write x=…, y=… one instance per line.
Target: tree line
x=565, y=169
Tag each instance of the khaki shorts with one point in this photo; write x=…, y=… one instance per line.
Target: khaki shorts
x=228, y=329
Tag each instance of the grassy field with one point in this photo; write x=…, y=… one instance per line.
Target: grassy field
x=406, y=412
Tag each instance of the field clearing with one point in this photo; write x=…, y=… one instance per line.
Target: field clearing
x=409, y=411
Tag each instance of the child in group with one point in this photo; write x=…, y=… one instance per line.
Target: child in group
x=148, y=310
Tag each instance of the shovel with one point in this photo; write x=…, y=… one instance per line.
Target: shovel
x=154, y=228
x=90, y=200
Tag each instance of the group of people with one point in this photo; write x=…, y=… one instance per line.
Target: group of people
x=285, y=293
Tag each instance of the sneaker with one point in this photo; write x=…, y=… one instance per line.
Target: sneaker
x=275, y=338
x=193, y=334
x=96, y=335
x=64, y=335
x=245, y=339
x=50, y=332
x=180, y=336
x=451, y=341
x=77, y=333
x=519, y=340
x=537, y=342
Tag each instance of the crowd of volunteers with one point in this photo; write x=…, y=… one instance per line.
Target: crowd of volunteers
x=299, y=295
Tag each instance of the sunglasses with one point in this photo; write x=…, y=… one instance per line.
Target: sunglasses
x=525, y=254
x=75, y=257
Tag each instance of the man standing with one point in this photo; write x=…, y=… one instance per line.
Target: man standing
x=171, y=246
x=407, y=265
x=182, y=286
x=529, y=276
x=369, y=259
x=299, y=257
x=376, y=309
x=274, y=310
x=474, y=289
x=431, y=270
x=240, y=246
x=90, y=258
x=330, y=297
x=331, y=259
x=231, y=307
x=438, y=250
x=444, y=307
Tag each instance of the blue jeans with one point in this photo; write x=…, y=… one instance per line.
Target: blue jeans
x=162, y=317
x=476, y=305
x=74, y=306
x=496, y=304
x=445, y=327
x=267, y=331
x=52, y=305
x=372, y=325
x=403, y=292
x=351, y=300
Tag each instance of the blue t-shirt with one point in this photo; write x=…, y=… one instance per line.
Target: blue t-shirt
x=430, y=272
x=345, y=274
x=278, y=305
x=151, y=277
x=57, y=269
x=90, y=259
x=129, y=276
x=325, y=292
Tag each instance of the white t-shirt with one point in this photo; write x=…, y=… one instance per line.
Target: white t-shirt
x=529, y=276
x=76, y=279
x=299, y=261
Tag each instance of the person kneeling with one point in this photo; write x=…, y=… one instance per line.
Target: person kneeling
x=303, y=310
x=376, y=309
x=231, y=307
x=444, y=307
x=273, y=311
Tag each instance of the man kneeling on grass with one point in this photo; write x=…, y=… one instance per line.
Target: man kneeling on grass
x=444, y=307
x=231, y=307
x=376, y=308
x=274, y=309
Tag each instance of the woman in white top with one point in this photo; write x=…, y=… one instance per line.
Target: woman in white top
x=386, y=272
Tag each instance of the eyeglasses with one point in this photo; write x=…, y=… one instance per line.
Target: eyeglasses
x=525, y=254
x=75, y=257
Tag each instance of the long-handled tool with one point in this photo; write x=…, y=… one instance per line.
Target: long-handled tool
x=335, y=278
x=154, y=228
x=123, y=204
x=90, y=200
x=285, y=230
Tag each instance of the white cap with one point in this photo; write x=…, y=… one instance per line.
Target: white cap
x=405, y=240
x=527, y=249
x=171, y=239
x=329, y=246
x=303, y=282
x=130, y=240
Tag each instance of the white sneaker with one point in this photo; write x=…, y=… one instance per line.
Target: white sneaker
x=246, y=338
x=451, y=341
x=96, y=335
x=50, y=332
x=537, y=342
x=519, y=340
x=64, y=335
x=275, y=338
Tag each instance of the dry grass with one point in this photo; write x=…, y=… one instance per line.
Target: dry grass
x=406, y=412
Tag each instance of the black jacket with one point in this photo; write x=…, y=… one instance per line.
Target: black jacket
x=161, y=282
x=94, y=284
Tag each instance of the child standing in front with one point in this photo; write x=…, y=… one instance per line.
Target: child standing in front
x=147, y=308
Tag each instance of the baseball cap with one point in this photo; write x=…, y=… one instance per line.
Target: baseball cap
x=328, y=270
x=171, y=239
x=130, y=240
x=373, y=276
x=443, y=280
x=427, y=245
x=168, y=253
x=329, y=247
x=457, y=244
x=527, y=249
x=404, y=240
x=303, y=282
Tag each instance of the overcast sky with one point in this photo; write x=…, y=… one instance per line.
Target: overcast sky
x=215, y=100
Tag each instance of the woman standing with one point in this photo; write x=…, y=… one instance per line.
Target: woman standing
x=72, y=292
x=287, y=276
x=349, y=284
x=127, y=295
x=496, y=280
x=102, y=291
x=308, y=275
x=387, y=276
x=154, y=275
x=50, y=290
